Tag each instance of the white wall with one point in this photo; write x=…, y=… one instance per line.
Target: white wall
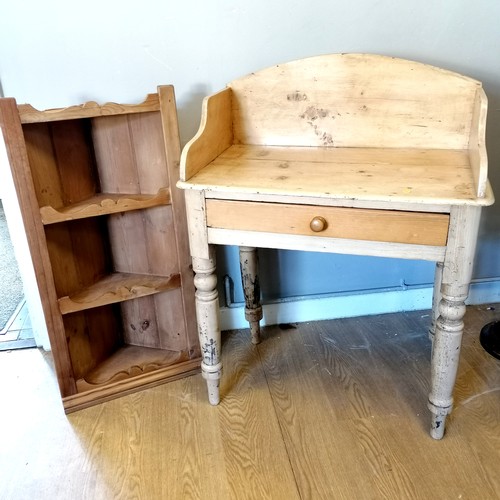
x=56, y=53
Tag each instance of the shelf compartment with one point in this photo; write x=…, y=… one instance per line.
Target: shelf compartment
x=131, y=361
x=127, y=370
x=117, y=287
x=104, y=204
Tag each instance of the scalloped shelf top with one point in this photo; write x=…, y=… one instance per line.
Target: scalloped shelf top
x=104, y=204
x=91, y=109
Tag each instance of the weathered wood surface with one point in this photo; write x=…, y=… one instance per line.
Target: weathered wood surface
x=197, y=224
x=346, y=101
x=249, y=266
x=354, y=100
x=455, y=281
x=369, y=174
x=207, y=315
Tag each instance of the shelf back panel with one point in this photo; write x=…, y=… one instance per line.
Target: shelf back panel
x=155, y=321
x=62, y=161
x=92, y=335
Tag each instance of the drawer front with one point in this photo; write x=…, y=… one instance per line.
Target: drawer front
x=418, y=228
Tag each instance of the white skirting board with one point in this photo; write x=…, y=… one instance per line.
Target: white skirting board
x=364, y=303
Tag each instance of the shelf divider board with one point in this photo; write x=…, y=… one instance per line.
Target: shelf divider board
x=117, y=287
x=104, y=204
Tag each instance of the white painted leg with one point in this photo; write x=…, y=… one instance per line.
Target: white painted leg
x=251, y=288
x=207, y=314
x=436, y=299
x=445, y=358
x=457, y=272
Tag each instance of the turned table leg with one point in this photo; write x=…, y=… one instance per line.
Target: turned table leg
x=207, y=314
x=436, y=299
x=457, y=272
x=251, y=288
x=445, y=357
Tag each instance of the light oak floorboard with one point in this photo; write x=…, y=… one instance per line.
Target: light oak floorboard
x=333, y=409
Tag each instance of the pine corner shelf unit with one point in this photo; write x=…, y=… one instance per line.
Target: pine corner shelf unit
x=107, y=232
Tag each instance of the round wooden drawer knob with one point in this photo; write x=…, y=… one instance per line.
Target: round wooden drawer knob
x=318, y=224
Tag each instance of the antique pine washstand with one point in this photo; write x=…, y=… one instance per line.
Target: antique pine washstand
x=347, y=153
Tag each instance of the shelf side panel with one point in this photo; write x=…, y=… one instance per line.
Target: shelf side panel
x=171, y=140
x=43, y=163
x=18, y=159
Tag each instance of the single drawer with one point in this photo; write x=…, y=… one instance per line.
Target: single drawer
x=419, y=228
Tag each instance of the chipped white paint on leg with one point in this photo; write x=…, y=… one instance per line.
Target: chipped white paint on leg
x=251, y=289
x=436, y=299
x=445, y=358
x=457, y=272
x=207, y=314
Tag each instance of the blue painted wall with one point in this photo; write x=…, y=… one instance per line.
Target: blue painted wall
x=286, y=273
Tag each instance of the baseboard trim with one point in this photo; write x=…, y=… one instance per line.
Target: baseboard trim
x=361, y=303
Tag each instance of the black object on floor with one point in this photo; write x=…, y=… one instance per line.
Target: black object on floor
x=490, y=338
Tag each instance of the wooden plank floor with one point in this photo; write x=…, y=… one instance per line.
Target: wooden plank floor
x=333, y=409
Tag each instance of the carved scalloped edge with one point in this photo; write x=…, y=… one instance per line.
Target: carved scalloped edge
x=120, y=367
x=115, y=288
x=88, y=394
x=90, y=109
x=135, y=371
x=104, y=204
